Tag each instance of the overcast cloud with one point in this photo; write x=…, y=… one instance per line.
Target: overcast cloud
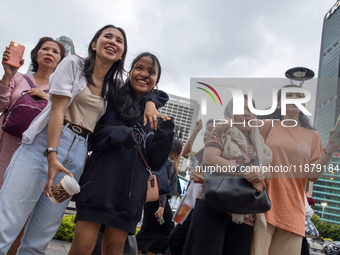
x=192, y=38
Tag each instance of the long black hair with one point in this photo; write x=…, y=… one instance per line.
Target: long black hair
x=176, y=151
x=303, y=119
x=114, y=76
x=125, y=104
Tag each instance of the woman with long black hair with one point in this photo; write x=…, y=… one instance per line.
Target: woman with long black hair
x=79, y=89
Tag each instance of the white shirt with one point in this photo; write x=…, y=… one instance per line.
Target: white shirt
x=67, y=80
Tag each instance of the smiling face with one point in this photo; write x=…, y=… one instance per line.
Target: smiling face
x=109, y=46
x=48, y=55
x=143, y=76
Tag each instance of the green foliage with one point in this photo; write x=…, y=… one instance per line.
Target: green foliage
x=326, y=230
x=181, y=173
x=66, y=229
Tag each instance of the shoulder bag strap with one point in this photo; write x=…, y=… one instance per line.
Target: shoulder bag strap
x=142, y=155
x=152, y=180
x=244, y=154
x=29, y=81
x=145, y=162
x=267, y=133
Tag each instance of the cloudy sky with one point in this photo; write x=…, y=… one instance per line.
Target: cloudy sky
x=192, y=38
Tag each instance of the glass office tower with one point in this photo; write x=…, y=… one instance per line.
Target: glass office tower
x=327, y=109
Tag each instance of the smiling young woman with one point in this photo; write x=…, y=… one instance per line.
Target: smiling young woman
x=78, y=86
x=144, y=76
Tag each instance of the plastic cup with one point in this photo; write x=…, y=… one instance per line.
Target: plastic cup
x=64, y=189
x=183, y=210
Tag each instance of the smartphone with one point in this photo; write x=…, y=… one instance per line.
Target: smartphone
x=336, y=135
x=161, y=221
x=17, y=52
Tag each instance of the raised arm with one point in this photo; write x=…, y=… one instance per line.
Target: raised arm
x=7, y=83
x=321, y=164
x=186, y=152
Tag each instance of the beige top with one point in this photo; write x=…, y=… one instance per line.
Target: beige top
x=85, y=109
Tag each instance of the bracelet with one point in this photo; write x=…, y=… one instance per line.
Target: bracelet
x=328, y=153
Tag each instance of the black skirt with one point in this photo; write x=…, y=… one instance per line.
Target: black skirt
x=152, y=236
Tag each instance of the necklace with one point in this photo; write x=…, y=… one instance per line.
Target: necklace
x=39, y=81
x=35, y=77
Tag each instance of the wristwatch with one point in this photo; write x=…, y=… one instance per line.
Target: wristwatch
x=50, y=149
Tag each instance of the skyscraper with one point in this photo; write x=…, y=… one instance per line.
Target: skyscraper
x=327, y=109
x=185, y=113
x=327, y=106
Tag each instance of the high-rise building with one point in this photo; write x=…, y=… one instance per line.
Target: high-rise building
x=327, y=109
x=185, y=114
x=68, y=44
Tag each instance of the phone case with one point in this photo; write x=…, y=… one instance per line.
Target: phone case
x=17, y=52
x=336, y=135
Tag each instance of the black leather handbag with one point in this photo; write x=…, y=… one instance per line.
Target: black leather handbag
x=234, y=194
x=229, y=194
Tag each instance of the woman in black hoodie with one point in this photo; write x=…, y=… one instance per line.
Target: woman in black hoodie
x=115, y=174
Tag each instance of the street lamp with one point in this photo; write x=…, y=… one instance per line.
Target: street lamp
x=324, y=204
x=300, y=74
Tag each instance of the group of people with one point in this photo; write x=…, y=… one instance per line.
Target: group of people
x=279, y=230
x=92, y=108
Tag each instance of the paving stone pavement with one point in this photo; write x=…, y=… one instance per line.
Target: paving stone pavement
x=57, y=247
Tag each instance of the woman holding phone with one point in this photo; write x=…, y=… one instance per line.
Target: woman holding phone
x=45, y=57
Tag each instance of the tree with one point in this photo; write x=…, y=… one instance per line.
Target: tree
x=326, y=230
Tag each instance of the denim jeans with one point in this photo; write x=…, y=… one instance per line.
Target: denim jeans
x=22, y=193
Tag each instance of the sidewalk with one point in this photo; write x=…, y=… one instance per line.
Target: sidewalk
x=56, y=247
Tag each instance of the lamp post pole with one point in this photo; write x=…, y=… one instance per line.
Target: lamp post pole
x=323, y=208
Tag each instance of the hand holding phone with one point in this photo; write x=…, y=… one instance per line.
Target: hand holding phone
x=16, y=51
x=335, y=138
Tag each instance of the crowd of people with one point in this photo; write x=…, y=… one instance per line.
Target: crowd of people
x=100, y=128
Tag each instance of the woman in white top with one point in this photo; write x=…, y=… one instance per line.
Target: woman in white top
x=79, y=89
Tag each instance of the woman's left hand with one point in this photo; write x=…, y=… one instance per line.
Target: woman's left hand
x=165, y=118
x=256, y=177
x=38, y=93
x=151, y=114
x=159, y=213
x=331, y=146
x=197, y=177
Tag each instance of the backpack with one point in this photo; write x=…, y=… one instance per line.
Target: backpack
x=22, y=112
